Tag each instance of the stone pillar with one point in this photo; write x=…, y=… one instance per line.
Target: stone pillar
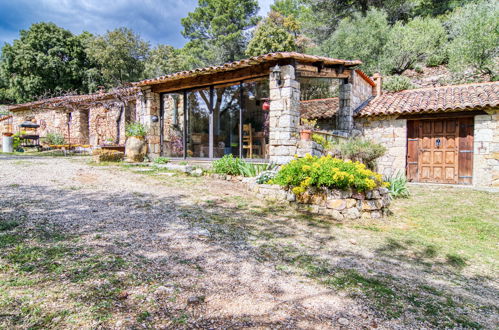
x=284, y=116
x=486, y=150
x=344, y=119
x=148, y=109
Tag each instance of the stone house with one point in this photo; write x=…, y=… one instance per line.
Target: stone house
x=252, y=108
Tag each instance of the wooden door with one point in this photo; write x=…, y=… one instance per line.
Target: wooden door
x=440, y=150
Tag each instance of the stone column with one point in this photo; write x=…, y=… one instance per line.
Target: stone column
x=284, y=116
x=344, y=119
x=148, y=109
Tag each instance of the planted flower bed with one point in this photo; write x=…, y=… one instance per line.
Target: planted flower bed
x=330, y=186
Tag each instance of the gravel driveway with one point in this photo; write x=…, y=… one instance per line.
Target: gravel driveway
x=193, y=265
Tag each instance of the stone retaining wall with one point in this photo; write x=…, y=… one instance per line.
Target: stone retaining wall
x=335, y=203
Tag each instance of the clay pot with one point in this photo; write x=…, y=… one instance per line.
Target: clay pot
x=305, y=135
x=8, y=134
x=135, y=149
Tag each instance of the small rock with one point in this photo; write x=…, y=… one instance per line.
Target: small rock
x=164, y=290
x=343, y=321
x=197, y=172
x=195, y=300
x=123, y=295
x=353, y=242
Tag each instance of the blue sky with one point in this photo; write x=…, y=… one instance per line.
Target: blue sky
x=157, y=21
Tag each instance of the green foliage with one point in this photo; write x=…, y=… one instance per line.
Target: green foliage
x=397, y=83
x=311, y=171
x=357, y=149
x=319, y=139
x=105, y=155
x=276, y=33
x=217, y=29
x=45, y=59
x=135, y=129
x=416, y=41
x=398, y=186
x=360, y=37
x=120, y=56
x=228, y=164
x=231, y=165
x=163, y=60
x=162, y=160
x=253, y=169
x=266, y=176
x=54, y=139
x=474, y=30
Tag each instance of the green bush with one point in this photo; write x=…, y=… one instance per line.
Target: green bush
x=135, y=129
x=266, y=176
x=397, y=83
x=416, y=41
x=228, y=164
x=398, y=186
x=326, y=171
x=357, y=149
x=319, y=139
x=54, y=139
x=474, y=37
x=360, y=37
x=162, y=160
x=231, y=165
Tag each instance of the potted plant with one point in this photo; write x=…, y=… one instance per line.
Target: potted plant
x=135, y=146
x=306, y=129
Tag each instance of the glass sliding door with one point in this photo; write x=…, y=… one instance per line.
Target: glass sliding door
x=198, y=123
x=255, y=128
x=226, y=111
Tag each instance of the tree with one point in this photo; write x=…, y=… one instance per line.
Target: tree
x=120, y=55
x=288, y=7
x=217, y=29
x=275, y=33
x=162, y=60
x=45, y=59
x=414, y=42
x=324, y=15
x=360, y=37
x=474, y=30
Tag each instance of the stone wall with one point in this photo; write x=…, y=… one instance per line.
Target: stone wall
x=103, y=125
x=392, y=133
x=361, y=90
x=337, y=204
x=147, y=109
x=50, y=121
x=486, y=150
x=284, y=116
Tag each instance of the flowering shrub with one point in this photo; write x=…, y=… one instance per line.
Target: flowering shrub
x=326, y=171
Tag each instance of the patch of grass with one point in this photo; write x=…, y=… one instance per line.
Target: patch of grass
x=8, y=225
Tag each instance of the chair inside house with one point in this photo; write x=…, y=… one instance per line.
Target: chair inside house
x=248, y=142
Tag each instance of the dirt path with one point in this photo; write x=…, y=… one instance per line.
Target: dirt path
x=138, y=217
x=201, y=253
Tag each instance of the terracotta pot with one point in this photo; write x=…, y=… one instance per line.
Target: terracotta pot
x=306, y=134
x=8, y=134
x=135, y=149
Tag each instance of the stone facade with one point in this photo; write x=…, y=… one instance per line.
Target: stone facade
x=93, y=126
x=284, y=116
x=486, y=150
x=147, y=111
x=352, y=94
x=392, y=133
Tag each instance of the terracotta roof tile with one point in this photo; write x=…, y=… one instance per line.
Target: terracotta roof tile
x=435, y=99
x=319, y=109
x=246, y=63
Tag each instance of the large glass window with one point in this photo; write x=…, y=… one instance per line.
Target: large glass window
x=198, y=119
x=255, y=130
x=226, y=110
